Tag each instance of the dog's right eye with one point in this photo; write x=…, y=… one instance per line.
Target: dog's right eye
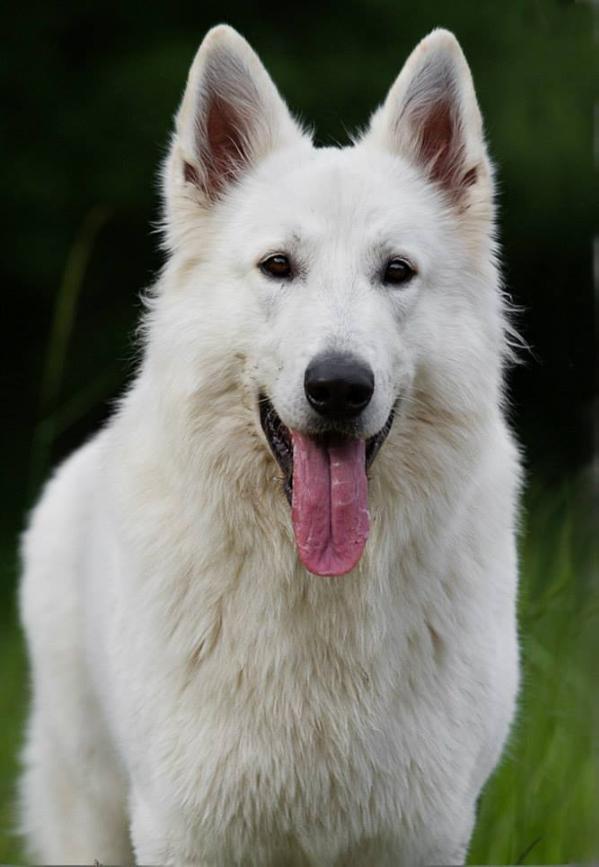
x=277, y=267
x=398, y=271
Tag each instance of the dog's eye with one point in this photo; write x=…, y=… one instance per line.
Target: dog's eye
x=398, y=271
x=277, y=266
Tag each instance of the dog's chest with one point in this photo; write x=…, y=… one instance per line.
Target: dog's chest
x=298, y=730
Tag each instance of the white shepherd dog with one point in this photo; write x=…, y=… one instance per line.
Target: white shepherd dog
x=320, y=395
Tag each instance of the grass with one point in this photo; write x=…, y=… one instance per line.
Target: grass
x=12, y=715
x=542, y=805
x=53, y=418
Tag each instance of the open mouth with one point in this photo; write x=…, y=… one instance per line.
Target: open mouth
x=324, y=479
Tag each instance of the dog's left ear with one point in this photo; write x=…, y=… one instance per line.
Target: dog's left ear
x=431, y=118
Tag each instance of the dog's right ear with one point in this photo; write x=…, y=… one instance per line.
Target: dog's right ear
x=231, y=116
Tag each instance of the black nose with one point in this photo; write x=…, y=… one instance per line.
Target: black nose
x=338, y=386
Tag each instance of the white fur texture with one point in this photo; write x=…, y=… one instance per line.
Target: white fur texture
x=198, y=697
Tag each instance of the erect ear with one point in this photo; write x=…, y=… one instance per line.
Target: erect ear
x=231, y=115
x=431, y=117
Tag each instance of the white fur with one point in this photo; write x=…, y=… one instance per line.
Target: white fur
x=194, y=687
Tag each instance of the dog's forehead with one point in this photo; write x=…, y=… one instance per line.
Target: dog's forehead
x=341, y=193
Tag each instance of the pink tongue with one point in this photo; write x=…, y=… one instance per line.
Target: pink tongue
x=329, y=506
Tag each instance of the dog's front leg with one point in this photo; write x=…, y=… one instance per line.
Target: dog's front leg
x=161, y=836
x=149, y=830
x=448, y=856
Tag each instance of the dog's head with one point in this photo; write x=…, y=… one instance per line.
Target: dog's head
x=357, y=284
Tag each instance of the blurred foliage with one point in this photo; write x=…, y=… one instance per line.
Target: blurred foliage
x=541, y=806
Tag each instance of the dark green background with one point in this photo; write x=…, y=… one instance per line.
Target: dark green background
x=88, y=90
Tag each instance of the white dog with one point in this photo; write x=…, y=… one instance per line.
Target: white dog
x=320, y=395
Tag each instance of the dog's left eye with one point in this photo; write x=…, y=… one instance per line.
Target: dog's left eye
x=277, y=266
x=398, y=271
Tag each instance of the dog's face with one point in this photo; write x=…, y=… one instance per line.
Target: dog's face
x=358, y=278
x=336, y=271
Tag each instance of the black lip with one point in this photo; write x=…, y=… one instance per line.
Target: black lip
x=279, y=440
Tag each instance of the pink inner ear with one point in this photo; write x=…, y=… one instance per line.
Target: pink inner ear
x=224, y=150
x=440, y=147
